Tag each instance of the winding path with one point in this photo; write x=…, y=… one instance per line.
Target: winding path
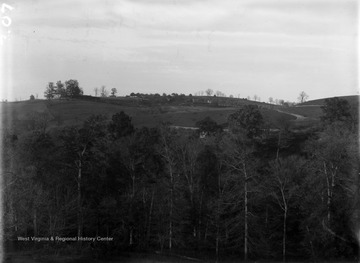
x=298, y=117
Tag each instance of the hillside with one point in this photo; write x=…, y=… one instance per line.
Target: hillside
x=312, y=109
x=60, y=113
x=182, y=111
x=353, y=100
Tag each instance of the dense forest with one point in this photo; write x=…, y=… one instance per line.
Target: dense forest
x=246, y=192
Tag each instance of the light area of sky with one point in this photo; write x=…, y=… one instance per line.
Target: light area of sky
x=271, y=48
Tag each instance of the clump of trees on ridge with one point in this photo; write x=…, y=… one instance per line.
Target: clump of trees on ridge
x=71, y=89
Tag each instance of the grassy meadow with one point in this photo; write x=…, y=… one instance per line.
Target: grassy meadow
x=61, y=113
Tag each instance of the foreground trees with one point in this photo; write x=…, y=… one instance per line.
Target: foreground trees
x=284, y=186
x=238, y=154
x=79, y=147
x=236, y=193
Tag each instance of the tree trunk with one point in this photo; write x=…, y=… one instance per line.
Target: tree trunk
x=328, y=195
x=206, y=231
x=218, y=223
x=131, y=233
x=131, y=236
x=171, y=207
x=278, y=146
x=168, y=157
x=150, y=215
x=13, y=216
x=170, y=223
x=245, y=216
x=266, y=216
x=284, y=235
x=50, y=224
x=217, y=243
x=15, y=222
x=35, y=222
x=199, y=219
x=311, y=243
x=79, y=212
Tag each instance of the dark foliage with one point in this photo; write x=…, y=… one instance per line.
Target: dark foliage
x=249, y=119
x=208, y=126
x=243, y=193
x=72, y=88
x=336, y=110
x=121, y=125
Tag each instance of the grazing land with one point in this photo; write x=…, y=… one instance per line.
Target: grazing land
x=151, y=113
x=73, y=112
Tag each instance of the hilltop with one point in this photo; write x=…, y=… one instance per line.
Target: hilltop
x=353, y=100
x=312, y=108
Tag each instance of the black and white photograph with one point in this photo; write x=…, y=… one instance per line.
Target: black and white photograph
x=179, y=131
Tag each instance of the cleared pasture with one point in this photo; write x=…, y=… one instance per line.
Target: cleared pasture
x=62, y=113
x=307, y=111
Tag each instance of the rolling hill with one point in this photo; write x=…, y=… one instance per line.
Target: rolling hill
x=353, y=100
x=147, y=112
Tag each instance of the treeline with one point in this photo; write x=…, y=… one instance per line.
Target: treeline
x=69, y=89
x=246, y=193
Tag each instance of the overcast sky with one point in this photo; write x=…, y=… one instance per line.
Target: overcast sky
x=274, y=48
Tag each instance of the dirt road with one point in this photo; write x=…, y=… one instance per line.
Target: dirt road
x=298, y=117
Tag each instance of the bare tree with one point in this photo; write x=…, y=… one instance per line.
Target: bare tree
x=167, y=152
x=130, y=159
x=209, y=92
x=237, y=158
x=220, y=94
x=103, y=91
x=332, y=155
x=238, y=155
x=271, y=100
x=96, y=90
x=303, y=97
x=284, y=188
x=188, y=153
x=77, y=145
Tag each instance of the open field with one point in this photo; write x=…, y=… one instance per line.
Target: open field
x=306, y=111
x=73, y=112
x=351, y=99
x=61, y=113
